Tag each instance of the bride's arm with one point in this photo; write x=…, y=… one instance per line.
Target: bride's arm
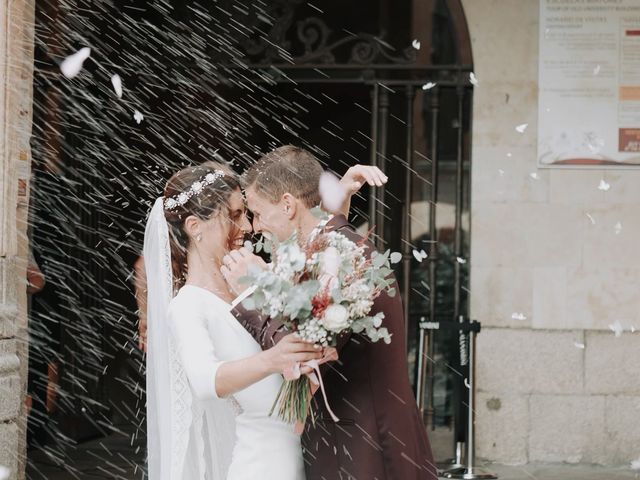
x=353, y=181
x=211, y=377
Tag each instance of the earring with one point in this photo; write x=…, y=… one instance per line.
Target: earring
x=199, y=237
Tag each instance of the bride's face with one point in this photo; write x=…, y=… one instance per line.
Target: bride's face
x=225, y=231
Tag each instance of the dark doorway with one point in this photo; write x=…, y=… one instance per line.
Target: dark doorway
x=229, y=80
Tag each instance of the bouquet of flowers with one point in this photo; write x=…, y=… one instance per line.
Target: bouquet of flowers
x=321, y=290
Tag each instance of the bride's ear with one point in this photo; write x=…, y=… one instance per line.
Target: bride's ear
x=289, y=205
x=192, y=226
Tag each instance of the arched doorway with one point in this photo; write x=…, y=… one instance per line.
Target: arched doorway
x=389, y=87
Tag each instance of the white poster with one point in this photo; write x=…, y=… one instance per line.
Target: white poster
x=589, y=83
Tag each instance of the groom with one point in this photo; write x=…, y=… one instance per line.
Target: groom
x=380, y=434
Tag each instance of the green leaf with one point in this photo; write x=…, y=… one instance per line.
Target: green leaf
x=249, y=303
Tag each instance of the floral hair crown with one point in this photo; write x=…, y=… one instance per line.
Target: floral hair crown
x=195, y=188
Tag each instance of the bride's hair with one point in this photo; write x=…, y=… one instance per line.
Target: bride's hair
x=213, y=198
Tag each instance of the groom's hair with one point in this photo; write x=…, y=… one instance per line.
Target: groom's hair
x=287, y=169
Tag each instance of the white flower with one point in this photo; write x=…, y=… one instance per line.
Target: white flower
x=330, y=262
x=335, y=318
x=183, y=198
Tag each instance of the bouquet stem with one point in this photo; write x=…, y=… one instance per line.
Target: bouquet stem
x=293, y=401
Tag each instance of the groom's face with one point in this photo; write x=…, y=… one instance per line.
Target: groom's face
x=270, y=219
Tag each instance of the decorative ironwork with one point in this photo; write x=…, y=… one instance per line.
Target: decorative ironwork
x=313, y=39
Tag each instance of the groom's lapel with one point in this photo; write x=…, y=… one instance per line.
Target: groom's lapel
x=337, y=222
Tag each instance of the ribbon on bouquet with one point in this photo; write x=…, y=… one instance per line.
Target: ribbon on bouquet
x=315, y=377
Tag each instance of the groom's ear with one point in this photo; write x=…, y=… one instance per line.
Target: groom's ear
x=289, y=205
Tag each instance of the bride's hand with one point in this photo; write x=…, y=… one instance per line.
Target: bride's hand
x=355, y=178
x=289, y=351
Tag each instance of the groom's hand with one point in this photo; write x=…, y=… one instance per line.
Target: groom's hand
x=354, y=180
x=236, y=265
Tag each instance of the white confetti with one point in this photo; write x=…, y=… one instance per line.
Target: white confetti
x=461, y=260
x=519, y=316
x=593, y=220
x=428, y=85
x=332, y=193
x=596, y=70
x=466, y=383
x=616, y=328
x=604, y=186
x=416, y=44
x=579, y=345
x=4, y=473
x=633, y=329
x=138, y=117
x=635, y=464
x=71, y=66
x=117, y=84
x=522, y=128
x=473, y=79
x=509, y=154
x=617, y=228
x=419, y=255
x=535, y=176
x=501, y=172
x=395, y=257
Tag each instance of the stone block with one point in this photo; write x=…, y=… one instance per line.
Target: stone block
x=550, y=298
x=499, y=294
x=502, y=427
x=611, y=237
x=567, y=428
x=576, y=187
x=9, y=443
x=506, y=174
x=610, y=363
x=529, y=361
x=599, y=296
x=622, y=428
x=526, y=235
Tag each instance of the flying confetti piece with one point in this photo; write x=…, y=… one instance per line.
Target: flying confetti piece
x=519, y=316
x=535, y=176
x=332, y=193
x=395, y=257
x=616, y=328
x=117, y=84
x=419, y=255
x=617, y=228
x=4, y=473
x=596, y=70
x=522, y=128
x=501, y=172
x=604, y=186
x=579, y=345
x=461, y=260
x=635, y=464
x=466, y=383
x=633, y=329
x=593, y=220
x=473, y=79
x=509, y=154
x=428, y=86
x=71, y=66
x=416, y=44
x=138, y=117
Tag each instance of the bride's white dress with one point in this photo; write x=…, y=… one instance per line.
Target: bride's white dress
x=232, y=438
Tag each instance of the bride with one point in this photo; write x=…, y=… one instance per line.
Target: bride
x=210, y=387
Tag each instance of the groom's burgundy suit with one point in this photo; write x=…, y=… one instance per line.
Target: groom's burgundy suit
x=380, y=434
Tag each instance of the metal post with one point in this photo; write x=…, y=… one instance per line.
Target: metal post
x=373, y=161
x=406, y=219
x=470, y=472
x=382, y=165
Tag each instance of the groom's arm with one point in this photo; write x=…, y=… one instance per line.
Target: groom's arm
x=267, y=332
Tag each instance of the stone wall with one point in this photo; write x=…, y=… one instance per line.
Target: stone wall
x=557, y=385
x=16, y=79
